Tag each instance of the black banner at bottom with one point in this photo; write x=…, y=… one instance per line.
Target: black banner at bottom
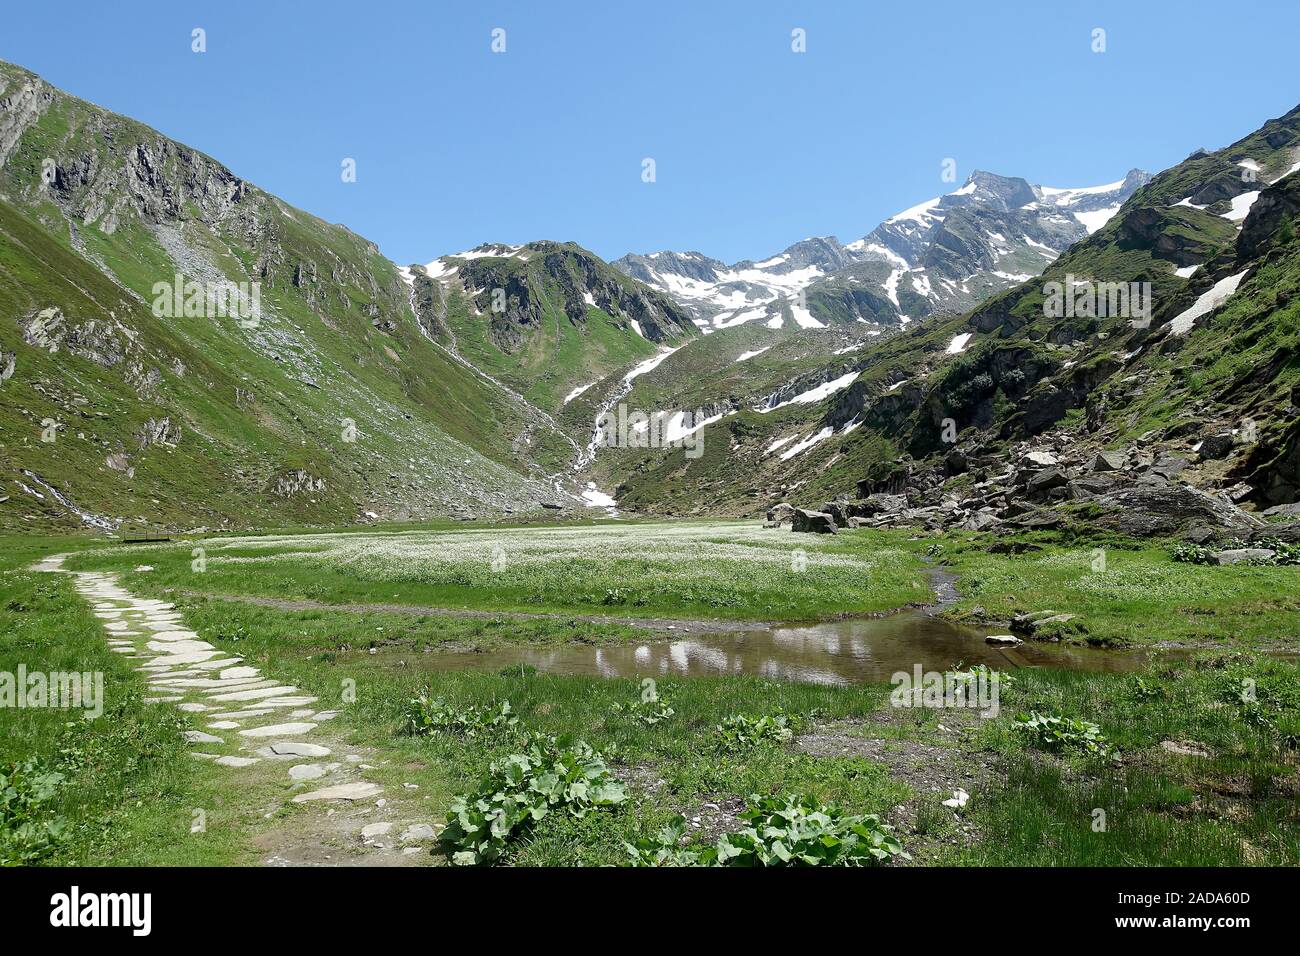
x=137, y=906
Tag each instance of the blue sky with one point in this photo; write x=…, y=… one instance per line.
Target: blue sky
x=755, y=146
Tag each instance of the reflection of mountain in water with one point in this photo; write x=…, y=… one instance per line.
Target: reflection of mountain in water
x=858, y=650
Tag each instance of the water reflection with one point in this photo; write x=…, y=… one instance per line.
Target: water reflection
x=840, y=652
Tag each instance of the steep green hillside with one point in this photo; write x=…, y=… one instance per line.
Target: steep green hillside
x=330, y=402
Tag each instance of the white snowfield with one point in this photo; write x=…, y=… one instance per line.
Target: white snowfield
x=1241, y=206
x=958, y=343
x=1210, y=300
x=778, y=443
x=576, y=392
x=1094, y=220
x=815, y=394
x=595, y=498
x=807, y=443
x=1068, y=197
x=649, y=365
x=675, y=428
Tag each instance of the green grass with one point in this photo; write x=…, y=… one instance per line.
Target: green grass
x=710, y=570
x=1235, y=807
x=1141, y=597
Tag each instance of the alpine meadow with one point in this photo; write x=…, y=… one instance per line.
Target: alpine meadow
x=641, y=532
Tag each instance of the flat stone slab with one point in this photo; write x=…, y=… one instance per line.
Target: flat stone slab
x=193, y=708
x=287, y=701
x=306, y=771
x=174, y=635
x=326, y=715
x=417, y=833
x=162, y=700
x=232, y=672
x=188, y=657
x=224, y=725
x=212, y=683
x=292, y=748
x=342, y=791
x=255, y=694
x=236, y=761
x=1186, y=748
x=1242, y=555
x=277, y=730
x=213, y=664
x=242, y=714
x=199, y=737
x=179, y=647
x=372, y=830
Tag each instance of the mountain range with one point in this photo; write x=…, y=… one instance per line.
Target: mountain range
x=946, y=254
x=908, y=373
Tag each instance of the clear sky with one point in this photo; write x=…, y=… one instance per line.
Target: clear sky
x=755, y=146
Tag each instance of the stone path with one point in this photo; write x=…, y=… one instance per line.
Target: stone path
x=245, y=719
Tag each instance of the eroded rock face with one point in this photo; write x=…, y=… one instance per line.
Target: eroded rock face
x=1273, y=468
x=119, y=462
x=1276, y=204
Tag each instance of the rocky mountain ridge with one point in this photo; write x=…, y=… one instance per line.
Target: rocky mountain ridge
x=943, y=255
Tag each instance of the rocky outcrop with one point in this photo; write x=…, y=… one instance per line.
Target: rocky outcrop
x=430, y=304
x=158, y=431
x=1276, y=206
x=297, y=482
x=780, y=515
x=22, y=102
x=104, y=343
x=814, y=522
x=1242, y=555
x=1155, y=506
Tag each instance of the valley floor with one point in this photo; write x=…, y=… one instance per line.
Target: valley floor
x=1193, y=688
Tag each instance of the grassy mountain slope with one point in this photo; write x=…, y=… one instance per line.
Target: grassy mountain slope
x=183, y=421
